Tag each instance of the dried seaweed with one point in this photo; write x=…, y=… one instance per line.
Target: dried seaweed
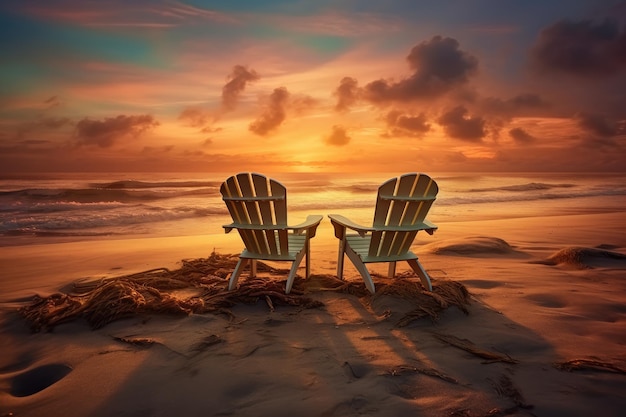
x=199, y=286
x=428, y=303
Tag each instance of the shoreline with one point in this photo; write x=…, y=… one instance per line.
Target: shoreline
x=63, y=262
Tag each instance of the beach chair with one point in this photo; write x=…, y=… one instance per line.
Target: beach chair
x=401, y=208
x=258, y=206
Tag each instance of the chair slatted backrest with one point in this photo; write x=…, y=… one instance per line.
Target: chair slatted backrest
x=258, y=205
x=402, y=201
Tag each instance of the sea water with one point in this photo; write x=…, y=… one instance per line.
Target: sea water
x=70, y=206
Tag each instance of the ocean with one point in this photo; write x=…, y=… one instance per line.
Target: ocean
x=37, y=209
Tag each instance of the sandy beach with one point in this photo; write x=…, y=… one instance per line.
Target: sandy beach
x=545, y=332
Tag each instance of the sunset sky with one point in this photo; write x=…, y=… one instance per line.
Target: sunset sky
x=297, y=86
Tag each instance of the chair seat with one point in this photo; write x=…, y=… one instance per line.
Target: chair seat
x=361, y=245
x=295, y=243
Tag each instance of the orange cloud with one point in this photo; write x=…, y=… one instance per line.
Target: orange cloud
x=236, y=84
x=273, y=115
x=338, y=136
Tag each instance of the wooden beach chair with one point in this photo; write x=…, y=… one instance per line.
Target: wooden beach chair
x=401, y=208
x=258, y=206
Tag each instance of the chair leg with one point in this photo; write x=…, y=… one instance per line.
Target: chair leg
x=391, y=272
x=421, y=272
x=252, y=268
x=294, y=269
x=342, y=250
x=234, y=277
x=307, y=255
x=360, y=266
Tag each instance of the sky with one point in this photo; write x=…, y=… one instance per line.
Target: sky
x=312, y=86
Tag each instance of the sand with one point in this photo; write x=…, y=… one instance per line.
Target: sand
x=545, y=334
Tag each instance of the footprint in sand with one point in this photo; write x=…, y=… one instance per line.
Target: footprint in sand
x=37, y=379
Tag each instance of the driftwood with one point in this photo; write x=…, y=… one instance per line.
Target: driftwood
x=589, y=365
x=200, y=286
x=470, y=347
x=405, y=369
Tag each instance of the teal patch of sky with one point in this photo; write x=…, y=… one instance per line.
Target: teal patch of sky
x=37, y=41
x=265, y=6
x=18, y=76
x=326, y=44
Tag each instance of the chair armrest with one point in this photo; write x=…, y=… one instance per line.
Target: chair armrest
x=430, y=227
x=340, y=223
x=311, y=222
x=425, y=225
x=309, y=225
x=229, y=227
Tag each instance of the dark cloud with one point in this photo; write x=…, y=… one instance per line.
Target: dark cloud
x=581, y=48
x=237, y=81
x=347, y=93
x=274, y=113
x=457, y=125
x=337, y=137
x=439, y=66
x=105, y=133
x=596, y=124
x=527, y=104
x=401, y=124
x=521, y=136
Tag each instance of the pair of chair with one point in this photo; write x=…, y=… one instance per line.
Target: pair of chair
x=258, y=206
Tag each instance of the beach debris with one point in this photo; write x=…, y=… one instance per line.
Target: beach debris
x=349, y=371
x=588, y=365
x=407, y=369
x=136, y=341
x=470, y=347
x=200, y=287
x=355, y=370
